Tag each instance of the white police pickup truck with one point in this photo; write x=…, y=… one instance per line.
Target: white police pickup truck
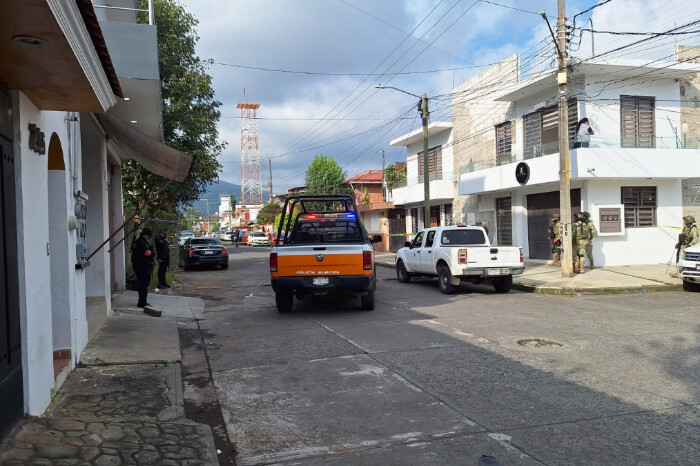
x=459, y=253
x=689, y=268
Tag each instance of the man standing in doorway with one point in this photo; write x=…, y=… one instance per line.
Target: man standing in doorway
x=163, y=253
x=554, y=233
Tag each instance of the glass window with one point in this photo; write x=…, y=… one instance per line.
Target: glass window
x=418, y=240
x=462, y=237
x=429, y=239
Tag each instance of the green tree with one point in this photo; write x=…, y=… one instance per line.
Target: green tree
x=393, y=176
x=190, y=116
x=325, y=176
x=268, y=213
x=233, y=201
x=365, y=197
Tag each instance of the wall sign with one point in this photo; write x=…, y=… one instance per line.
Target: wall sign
x=522, y=172
x=37, y=141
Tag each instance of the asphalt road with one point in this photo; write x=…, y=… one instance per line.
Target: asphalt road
x=432, y=379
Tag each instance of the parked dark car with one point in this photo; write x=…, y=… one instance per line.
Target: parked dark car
x=202, y=251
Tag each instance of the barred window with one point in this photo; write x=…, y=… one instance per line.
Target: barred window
x=640, y=206
x=637, y=121
x=503, y=143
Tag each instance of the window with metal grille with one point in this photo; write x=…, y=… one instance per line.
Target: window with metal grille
x=434, y=163
x=448, y=214
x=503, y=143
x=414, y=220
x=504, y=222
x=640, y=206
x=637, y=121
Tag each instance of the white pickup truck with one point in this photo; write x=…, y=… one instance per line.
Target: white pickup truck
x=458, y=253
x=689, y=268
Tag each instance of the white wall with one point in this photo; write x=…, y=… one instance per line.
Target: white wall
x=31, y=173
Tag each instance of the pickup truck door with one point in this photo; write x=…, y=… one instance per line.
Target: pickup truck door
x=413, y=254
x=426, y=253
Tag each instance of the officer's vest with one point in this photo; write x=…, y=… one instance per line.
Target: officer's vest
x=584, y=230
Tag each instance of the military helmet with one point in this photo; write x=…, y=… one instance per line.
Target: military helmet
x=556, y=216
x=585, y=214
x=690, y=219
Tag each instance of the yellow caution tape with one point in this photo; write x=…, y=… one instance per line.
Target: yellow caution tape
x=667, y=226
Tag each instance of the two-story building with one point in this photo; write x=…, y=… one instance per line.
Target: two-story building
x=370, y=198
x=79, y=94
x=630, y=178
x=410, y=194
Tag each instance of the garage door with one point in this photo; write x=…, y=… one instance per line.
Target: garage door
x=540, y=208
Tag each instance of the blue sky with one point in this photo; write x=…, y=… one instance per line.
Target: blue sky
x=330, y=55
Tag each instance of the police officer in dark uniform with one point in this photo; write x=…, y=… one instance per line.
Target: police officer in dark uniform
x=163, y=253
x=142, y=260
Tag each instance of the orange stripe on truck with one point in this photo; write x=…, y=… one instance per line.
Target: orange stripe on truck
x=306, y=265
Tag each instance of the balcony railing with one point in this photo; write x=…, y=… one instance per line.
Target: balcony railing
x=419, y=180
x=658, y=142
x=108, y=8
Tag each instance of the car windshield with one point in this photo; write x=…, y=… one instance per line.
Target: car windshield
x=325, y=231
x=462, y=237
x=205, y=241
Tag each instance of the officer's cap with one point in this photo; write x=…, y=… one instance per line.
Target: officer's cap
x=147, y=231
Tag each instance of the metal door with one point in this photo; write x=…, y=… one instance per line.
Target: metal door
x=11, y=390
x=504, y=222
x=540, y=208
x=397, y=229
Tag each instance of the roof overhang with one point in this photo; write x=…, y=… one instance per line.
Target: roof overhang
x=417, y=135
x=128, y=143
x=63, y=70
x=621, y=69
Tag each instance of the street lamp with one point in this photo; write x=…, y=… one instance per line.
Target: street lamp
x=423, y=109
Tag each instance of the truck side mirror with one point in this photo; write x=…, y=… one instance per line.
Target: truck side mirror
x=408, y=244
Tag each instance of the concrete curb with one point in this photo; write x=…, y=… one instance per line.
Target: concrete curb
x=592, y=291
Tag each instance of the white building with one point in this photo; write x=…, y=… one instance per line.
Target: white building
x=411, y=194
x=630, y=178
x=62, y=67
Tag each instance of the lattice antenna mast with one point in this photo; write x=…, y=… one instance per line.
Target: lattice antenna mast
x=251, y=178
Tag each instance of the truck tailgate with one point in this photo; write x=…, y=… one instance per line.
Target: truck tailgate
x=493, y=256
x=329, y=259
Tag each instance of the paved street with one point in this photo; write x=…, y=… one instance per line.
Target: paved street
x=434, y=379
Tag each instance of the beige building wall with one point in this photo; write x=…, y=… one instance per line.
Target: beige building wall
x=690, y=126
x=475, y=114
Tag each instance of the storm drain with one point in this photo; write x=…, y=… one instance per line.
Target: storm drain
x=539, y=343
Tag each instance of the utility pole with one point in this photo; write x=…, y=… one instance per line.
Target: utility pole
x=383, y=179
x=426, y=163
x=269, y=162
x=564, y=163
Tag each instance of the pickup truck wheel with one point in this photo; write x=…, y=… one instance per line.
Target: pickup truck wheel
x=690, y=286
x=284, y=301
x=502, y=285
x=444, y=279
x=401, y=273
x=367, y=301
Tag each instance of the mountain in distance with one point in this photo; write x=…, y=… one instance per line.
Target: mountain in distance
x=214, y=191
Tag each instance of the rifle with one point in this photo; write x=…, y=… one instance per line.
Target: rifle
x=681, y=241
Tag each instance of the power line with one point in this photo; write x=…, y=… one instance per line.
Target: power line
x=591, y=8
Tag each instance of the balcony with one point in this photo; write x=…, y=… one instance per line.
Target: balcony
x=133, y=48
x=411, y=191
x=588, y=164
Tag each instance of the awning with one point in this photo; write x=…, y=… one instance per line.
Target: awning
x=128, y=143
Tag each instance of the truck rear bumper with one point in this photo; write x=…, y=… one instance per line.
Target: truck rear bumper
x=355, y=284
x=492, y=271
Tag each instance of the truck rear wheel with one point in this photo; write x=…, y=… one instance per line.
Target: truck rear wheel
x=444, y=280
x=284, y=301
x=401, y=273
x=503, y=284
x=367, y=301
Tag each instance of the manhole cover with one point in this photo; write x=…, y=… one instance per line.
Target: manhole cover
x=539, y=343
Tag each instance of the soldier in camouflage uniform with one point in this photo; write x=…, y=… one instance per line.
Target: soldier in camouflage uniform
x=574, y=242
x=689, y=235
x=585, y=232
x=554, y=234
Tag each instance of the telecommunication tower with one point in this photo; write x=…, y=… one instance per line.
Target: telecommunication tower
x=251, y=179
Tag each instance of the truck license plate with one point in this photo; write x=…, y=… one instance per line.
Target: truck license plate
x=493, y=271
x=320, y=281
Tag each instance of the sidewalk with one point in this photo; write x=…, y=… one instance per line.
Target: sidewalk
x=541, y=278
x=124, y=404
